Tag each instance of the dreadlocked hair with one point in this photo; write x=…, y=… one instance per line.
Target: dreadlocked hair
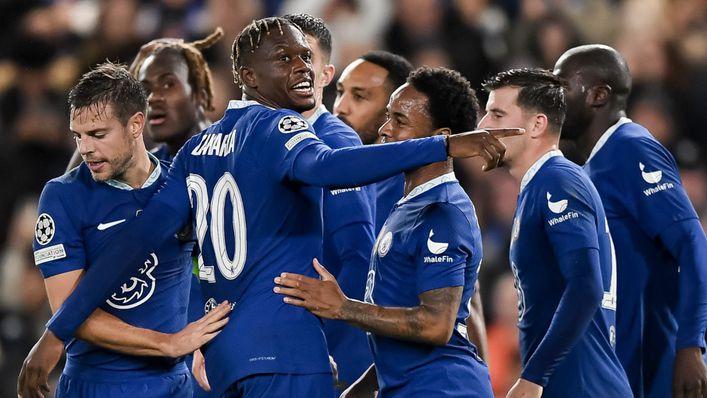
x=249, y=40
x=199, y=71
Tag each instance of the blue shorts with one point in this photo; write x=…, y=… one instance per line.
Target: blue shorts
x=275, y=385
x=171, y=386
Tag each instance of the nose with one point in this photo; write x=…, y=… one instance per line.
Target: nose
x=385, y=130
x=301, y=66
x=341, y=105
x=484, y=122
x=154, y=96
x=84, y=144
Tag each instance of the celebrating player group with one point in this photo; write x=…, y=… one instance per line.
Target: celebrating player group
x=286, y=251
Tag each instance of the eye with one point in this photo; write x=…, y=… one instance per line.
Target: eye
x=307, y=57
x=359, y=97
x=285, y=58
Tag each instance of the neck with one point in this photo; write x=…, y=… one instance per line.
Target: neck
x=597, y=127
x=178, y=142
x=140, y=169
x=260, y=99
x=519, y=166
x=419, y=176
x=318, y=95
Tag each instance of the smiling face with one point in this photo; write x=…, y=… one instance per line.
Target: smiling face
x=362, y=93
x=173, y=107
x=105, y=144
x=408, y=116
x=279, y=73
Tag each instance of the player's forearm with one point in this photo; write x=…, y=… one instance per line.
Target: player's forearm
x=687, y=244
x=108, y=331
x=476, y=325
x=116, y=260
x=578, y=304
x=320, y=166
x=429, y=324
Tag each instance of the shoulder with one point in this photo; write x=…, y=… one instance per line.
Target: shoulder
x=445, y=212
x=70, y=184
x=561, y=176
x=335, y=132
x=632, y=139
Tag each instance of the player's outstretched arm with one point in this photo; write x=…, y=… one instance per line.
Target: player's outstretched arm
x=432, y=322
x=319, y=165
x=365, y=387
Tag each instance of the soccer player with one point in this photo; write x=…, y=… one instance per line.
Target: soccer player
x=347, y=213
x=561, y=252
x=362, y=93
x=141, y=318
x=243, y=178
x=425, y=262
x=661, y=250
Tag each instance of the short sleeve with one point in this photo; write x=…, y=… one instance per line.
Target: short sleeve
x=443, y=247
x=568, y=213
x=655, y=194
x=286, y=134
x=58, y=243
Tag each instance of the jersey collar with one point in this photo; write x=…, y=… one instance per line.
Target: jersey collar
x=239, y=104
x=150, y=180
x=321, y=109
x=536, y=167
x=422, y=188
x=607, y=134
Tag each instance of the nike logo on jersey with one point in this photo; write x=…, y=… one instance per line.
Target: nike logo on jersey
x=103, y=227
x=435, y=247
x=652, y=177
x=556, y=207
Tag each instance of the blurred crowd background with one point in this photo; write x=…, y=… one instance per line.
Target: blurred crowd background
x=46, y=45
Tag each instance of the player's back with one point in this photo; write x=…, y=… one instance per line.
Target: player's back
x=557, y=206
x=640, y=187
x=252, y=225
x=79, y=213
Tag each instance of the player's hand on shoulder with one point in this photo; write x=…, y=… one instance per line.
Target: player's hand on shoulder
x=689, y=374
x=525, y=389
x=485, y=143
x=199, y=332
x=323, y=297
x=41, y=360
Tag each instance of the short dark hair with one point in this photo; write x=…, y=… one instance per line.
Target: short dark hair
x=452, y=101
x=314, y=27
x=397, y=66
x=540, y=90
x=110, y=84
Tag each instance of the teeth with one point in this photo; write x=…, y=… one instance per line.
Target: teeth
x=303, y=85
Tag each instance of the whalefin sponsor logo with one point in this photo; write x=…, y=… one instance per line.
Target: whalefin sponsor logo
x=437, y=259
x=435, y=247
x=654, y=177
x=335, y=192
x=556, y=207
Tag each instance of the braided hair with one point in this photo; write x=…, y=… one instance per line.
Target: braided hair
x=199, y=71
x=250, y=38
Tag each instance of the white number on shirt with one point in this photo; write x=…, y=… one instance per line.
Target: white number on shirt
x=230, y=265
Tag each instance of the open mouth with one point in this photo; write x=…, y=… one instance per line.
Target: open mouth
x=304, y=88
x=157, y=118
x=95, y=165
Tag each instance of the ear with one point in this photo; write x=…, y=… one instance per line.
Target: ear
x=248, y=77
x=328, y=74
x=136, y=124
x=540, y=125
x=200, y=97
x=599, y=95
x=441, y=131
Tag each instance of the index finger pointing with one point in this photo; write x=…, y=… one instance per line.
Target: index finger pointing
x=506, y=132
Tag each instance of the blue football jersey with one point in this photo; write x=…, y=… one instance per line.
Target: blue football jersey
x=76, y=214
x=431, y=240
x=347, y=242
x=641, y=190
x=559, y=211
x=252, y=224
